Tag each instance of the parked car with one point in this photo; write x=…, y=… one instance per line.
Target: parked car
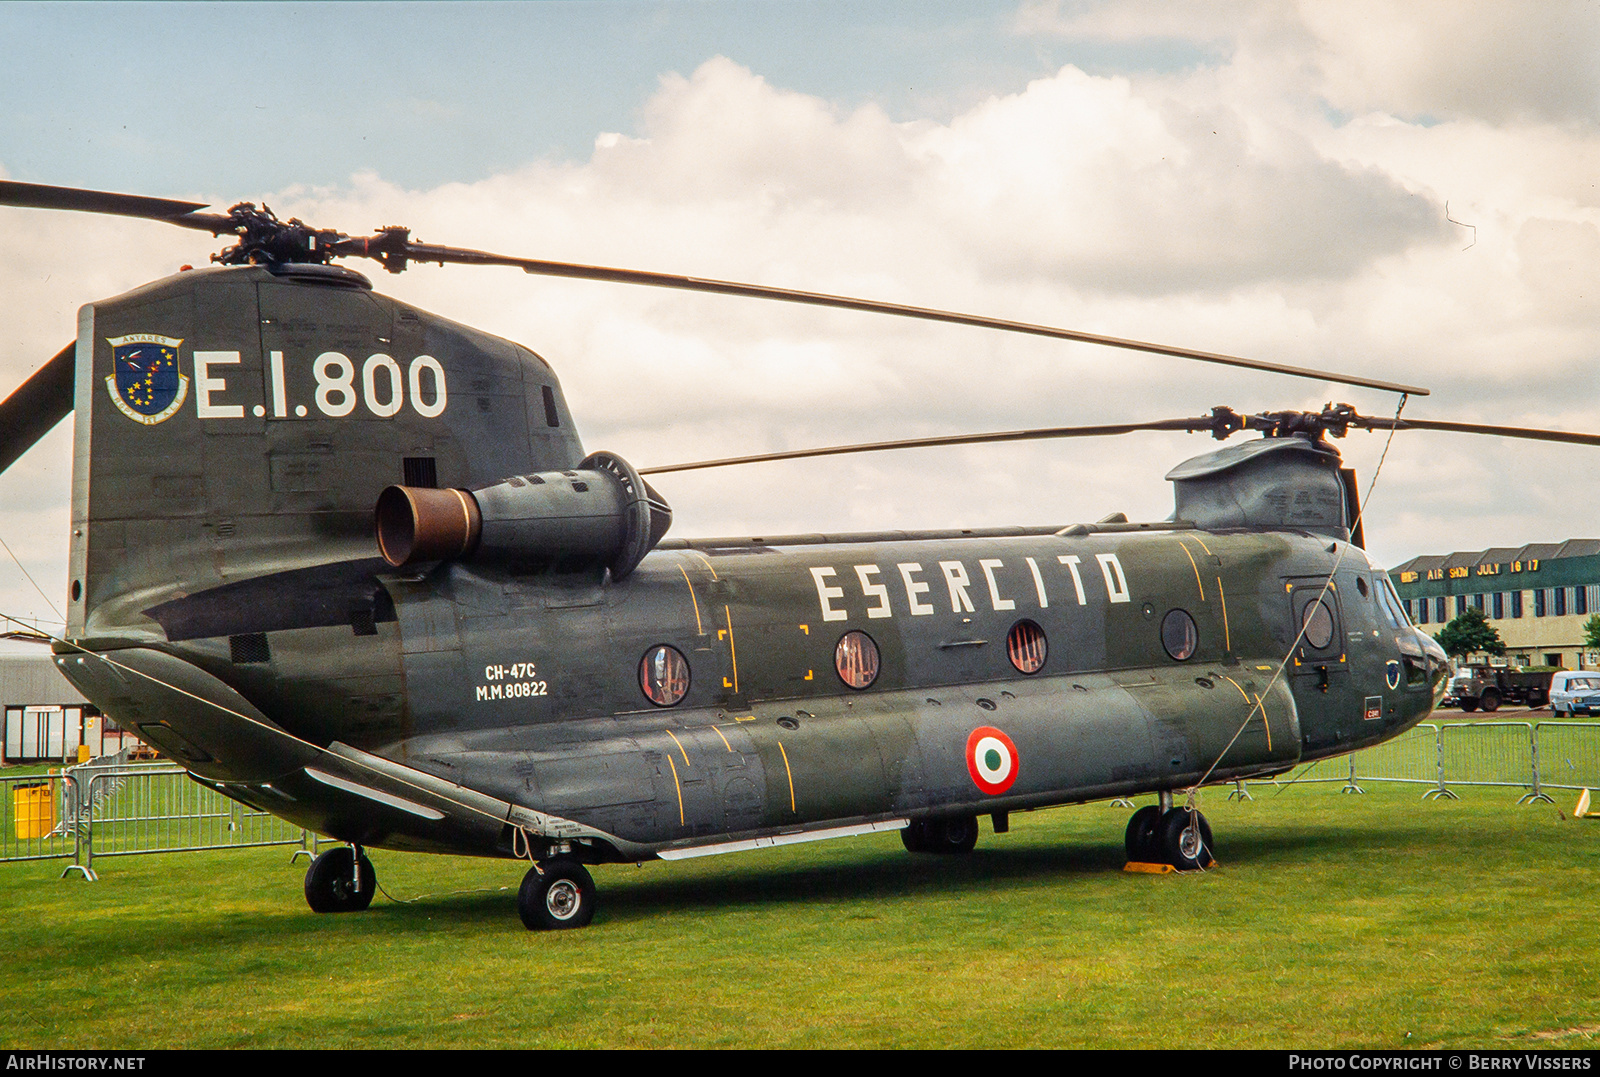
x=1575, y=692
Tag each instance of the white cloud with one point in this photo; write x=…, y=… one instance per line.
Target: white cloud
x=1224, y=208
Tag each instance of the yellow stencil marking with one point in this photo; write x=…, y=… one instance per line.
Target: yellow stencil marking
x=707, y=564
x=733, y=654
x=1196, y=568
x=699, y=628
x=718, y=732
x=1202, y=543
x=679, y=743
x=679, y=788
x=808, y=674
x=1227, y=636
x=749, y=718
x=806, y=629
x=789, y=772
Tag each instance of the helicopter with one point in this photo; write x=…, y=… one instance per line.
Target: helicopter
x=349, y=563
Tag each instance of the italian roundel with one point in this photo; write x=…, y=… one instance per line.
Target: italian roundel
x=991, y=759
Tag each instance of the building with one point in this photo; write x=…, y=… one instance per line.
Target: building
x=46, y=718
x=1538, y=597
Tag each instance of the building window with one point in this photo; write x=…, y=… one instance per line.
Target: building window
x=1477, y=602
x=1560, y=594
x=1499, y=605
x=1580, y=600
x=1422, y=611
x=1540, y=598
x=1516, y=603
x=1461, y=605
x=1439, y=609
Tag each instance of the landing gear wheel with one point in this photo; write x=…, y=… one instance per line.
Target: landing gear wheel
x=556, y=894
x=1185, y=839
x=1141, y=842
x=954, y=835
x=916, y=837
x=332, y=884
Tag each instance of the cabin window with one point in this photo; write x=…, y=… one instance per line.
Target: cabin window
x=664, y=676
x=1318, y=625
x=1025, y=646
x=856, y=659
x=1179, y=635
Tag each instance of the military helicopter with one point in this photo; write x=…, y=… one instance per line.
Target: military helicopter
x=348, y=562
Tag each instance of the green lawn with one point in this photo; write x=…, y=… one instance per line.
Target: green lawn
x=1332, y=921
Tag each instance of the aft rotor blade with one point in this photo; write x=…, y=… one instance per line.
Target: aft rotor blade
x=1523, y=432
x=42, y=196
x=425, y=253
x=1036, y=434
x=36, y=406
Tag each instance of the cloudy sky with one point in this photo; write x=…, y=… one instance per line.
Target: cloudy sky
x=1400, y=190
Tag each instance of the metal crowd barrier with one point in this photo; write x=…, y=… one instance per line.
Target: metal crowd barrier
x=1569, y=754
x=115, y=808
x=30, y=818
x=134, y=811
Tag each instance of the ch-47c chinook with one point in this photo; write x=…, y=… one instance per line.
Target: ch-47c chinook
x=348, y=562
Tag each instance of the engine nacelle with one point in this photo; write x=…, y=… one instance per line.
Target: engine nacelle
x=602, y=512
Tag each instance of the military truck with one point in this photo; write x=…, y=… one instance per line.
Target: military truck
x=1489, y=686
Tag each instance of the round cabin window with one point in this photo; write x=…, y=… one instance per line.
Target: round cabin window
x=1318, y=624
x=664, y=676
x=1179, y=635
x=856, y=659
x=1025, y=646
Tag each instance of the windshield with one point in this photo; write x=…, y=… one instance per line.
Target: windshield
x=1583, y=684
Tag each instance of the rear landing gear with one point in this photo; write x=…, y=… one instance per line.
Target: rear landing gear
x=555, y=894
x=341, y=880
x=957, y=835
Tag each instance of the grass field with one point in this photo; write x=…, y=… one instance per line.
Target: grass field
x=1331, y=921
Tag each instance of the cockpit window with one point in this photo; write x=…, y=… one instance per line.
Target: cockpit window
x=1393, y=611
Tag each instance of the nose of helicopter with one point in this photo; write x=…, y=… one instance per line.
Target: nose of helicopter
x=1438, y=663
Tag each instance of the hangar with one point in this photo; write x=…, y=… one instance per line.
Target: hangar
x=1538, y=597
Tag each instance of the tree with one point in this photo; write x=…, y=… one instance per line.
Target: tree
x=1591, y=633
x=1471, y=632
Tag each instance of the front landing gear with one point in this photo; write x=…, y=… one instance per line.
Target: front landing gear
x=950, y=836
x=341, y=880
x=1174, y=836
x=556, y=893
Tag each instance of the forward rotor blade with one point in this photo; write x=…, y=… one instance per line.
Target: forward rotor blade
x=1523, y=432
x=425, y=253
x=1036, y=434
x=37, y=405
x=41, y=196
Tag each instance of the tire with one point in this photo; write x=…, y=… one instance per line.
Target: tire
x=556, y=894
x=915, y=837
x=1141, y=840
x=1180, y=846
x=331, y=883
x=953, y=836
x=1490, y=701
x=1470, y=705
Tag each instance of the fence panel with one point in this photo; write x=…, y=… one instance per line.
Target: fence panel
x=31, y=823
x=1486, y=753
x=1569, y=755
x=136, y=810
x=1413, y=756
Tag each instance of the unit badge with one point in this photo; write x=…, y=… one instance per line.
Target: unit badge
x=145, y=382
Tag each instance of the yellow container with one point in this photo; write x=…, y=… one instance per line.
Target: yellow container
x=34, y=810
